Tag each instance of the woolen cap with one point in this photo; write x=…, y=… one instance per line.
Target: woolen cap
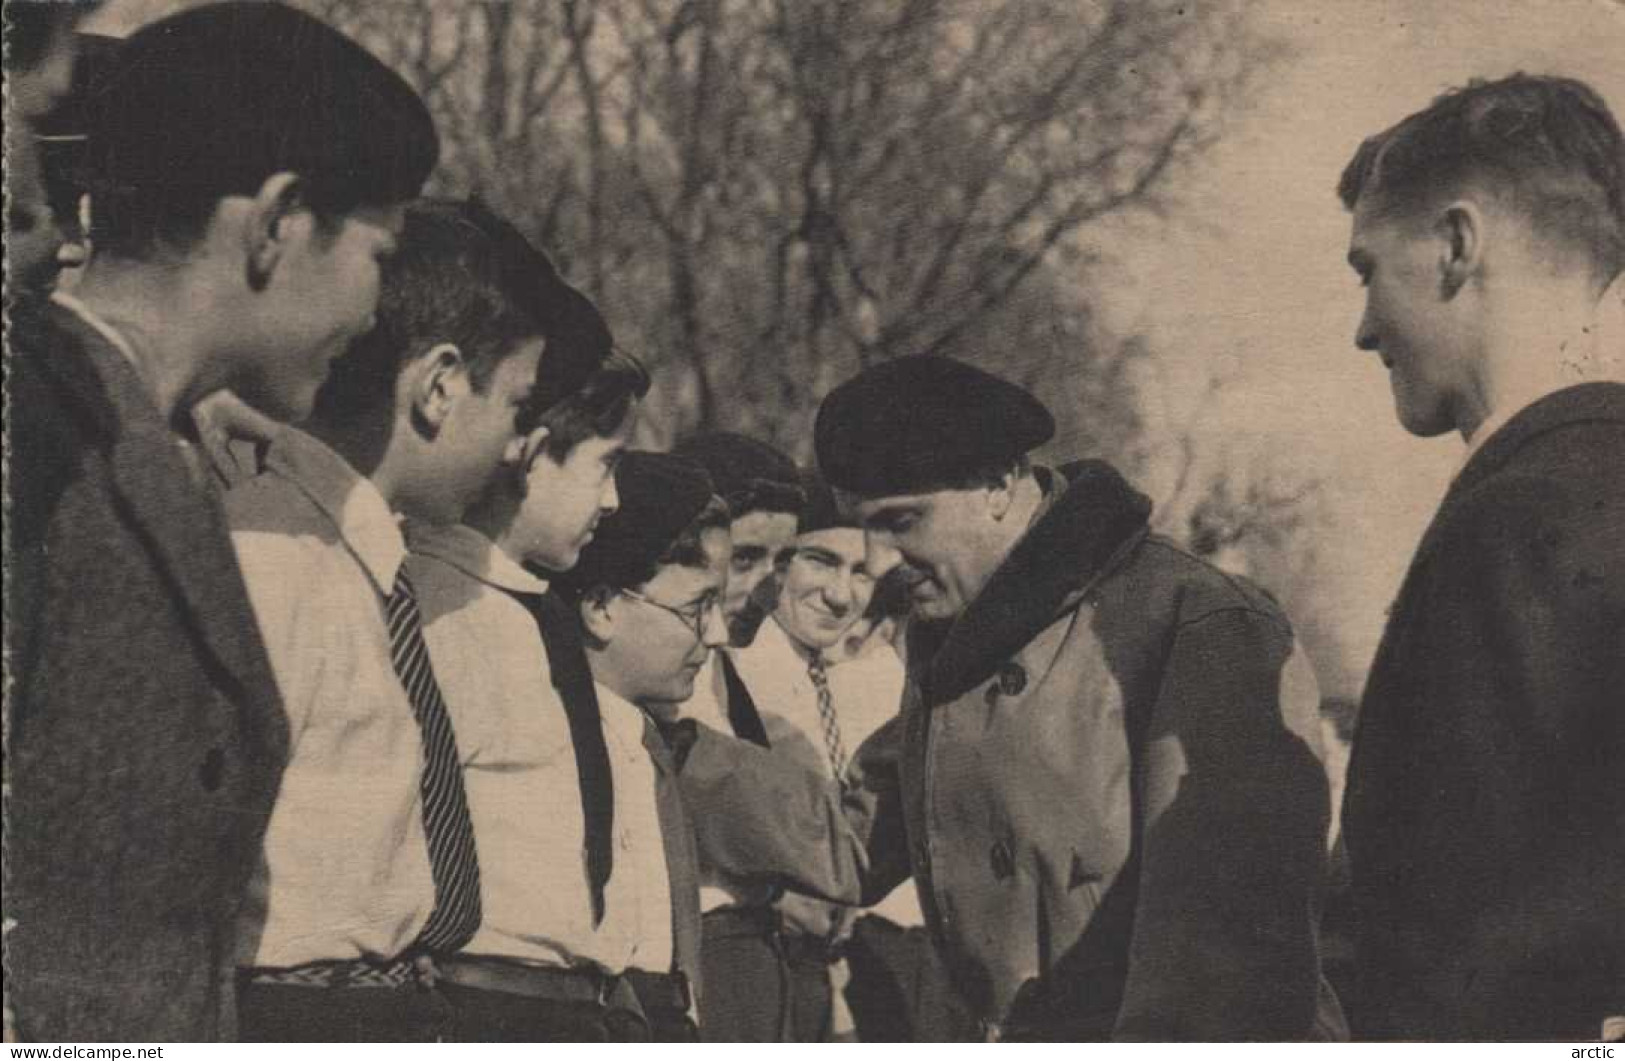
x=916, y=424
x=216, y=99
x=750, y=475
x=661, y=495
x=822, y=510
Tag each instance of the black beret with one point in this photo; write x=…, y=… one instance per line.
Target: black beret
x=661, y=496
x=63, y=133
x=216, y=99
x=823, y=509
x=750, y=475
x=921, y=423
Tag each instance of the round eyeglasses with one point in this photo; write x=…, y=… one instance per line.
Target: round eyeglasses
x=694, y=617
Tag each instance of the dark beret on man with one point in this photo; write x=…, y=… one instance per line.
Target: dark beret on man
x=218, y=98
x=922, y=423
x=749, y=474
x=661, y=497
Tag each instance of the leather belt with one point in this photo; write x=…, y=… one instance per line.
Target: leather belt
x=632, y=991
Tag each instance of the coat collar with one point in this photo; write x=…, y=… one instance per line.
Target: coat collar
x=181, y=520
x=364, y=520
x=1571, y=405
x=1090, y=519
x=1584, y=401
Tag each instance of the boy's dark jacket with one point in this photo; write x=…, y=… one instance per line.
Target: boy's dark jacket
x=146, y=735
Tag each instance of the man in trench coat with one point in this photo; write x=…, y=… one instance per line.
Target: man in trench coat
x=1105, y=779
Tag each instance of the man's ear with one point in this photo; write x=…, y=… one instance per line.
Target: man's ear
x=1461, y=228
x=436, y=380
x=598, y=614
x=267, y=225
x=1001, y=494
x=523, y=449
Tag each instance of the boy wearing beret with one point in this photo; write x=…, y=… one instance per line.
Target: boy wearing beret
x=647, y=597
x=777, y=953
x=370, y=864
x=762, y=488
x=238, y=234
x=1105, y=779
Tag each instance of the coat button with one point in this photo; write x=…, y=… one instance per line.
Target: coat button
x=209, y=774
x=1012, y=679
x=1004, y=861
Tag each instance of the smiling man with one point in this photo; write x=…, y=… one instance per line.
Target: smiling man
x=238, y=232
x=1105, y=780
x=1484, y=814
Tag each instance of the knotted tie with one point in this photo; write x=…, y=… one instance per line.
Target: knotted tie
x=826, y=712
x=452, y=858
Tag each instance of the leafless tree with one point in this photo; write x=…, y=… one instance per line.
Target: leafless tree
x=768, y=194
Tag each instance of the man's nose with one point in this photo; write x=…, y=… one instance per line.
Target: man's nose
x=838, y=591
x=611, y=499
x=1365, y=333
x=714, y=627
x=880, y=554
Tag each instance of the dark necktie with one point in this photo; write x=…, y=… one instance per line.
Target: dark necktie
x=453, y=860
x=572, y=677
x=826, y=713
x=743, y=717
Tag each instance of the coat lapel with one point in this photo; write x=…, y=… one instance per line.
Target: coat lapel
x=182, y=522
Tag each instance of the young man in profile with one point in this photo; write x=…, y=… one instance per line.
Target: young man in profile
x=238, y=235
x=370, y=865
x=1484, y=813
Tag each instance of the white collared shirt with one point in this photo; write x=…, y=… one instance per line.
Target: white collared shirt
x=519, y=769
x=345, y=872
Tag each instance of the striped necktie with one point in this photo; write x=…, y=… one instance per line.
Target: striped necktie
x=826, y=713
x=452, y=857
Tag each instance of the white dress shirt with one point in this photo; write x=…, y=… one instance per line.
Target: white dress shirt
x=345, y=872
x=524, y=794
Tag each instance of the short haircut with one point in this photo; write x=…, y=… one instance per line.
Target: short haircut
x=1547, y=146
x=596, y=410
x=460, y=274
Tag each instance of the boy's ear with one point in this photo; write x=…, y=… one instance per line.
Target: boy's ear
x=597, y=615
x=522, y=449
x=266, y=225
x=439, y=378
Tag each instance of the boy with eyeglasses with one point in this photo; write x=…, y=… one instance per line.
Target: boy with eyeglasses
x=646, y=600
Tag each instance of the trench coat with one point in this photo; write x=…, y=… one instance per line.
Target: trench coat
x=1105, y=782
x=146, y=734
x=1485, y=807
